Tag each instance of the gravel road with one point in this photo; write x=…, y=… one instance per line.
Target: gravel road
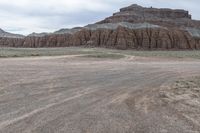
x=81, y=95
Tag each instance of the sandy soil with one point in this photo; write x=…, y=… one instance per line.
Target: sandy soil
x=80, y=95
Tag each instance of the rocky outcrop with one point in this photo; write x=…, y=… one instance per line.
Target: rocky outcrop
x=10, y=40
x=134, y=27
x=164, y=17
x=9, y=35
x=68, y=31
x=143, y=38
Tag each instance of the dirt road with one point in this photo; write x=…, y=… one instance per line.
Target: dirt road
x=80, y=95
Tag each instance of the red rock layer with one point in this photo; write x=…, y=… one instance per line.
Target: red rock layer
x=121, y=38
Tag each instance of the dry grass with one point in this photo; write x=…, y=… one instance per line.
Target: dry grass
x=184, y=98
x=93, y=52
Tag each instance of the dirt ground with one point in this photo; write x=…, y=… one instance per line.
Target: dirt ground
x=69, y=94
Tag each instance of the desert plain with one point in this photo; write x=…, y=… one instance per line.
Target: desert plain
x=96, y=90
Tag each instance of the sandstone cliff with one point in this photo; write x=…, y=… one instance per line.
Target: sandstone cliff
x=134, y=27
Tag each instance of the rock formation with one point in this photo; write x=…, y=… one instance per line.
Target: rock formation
x=133, y=27
x=164, y=17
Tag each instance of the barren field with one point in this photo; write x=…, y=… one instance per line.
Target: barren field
x=100, y=93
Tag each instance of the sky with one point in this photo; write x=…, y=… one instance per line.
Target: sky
x=27, y=16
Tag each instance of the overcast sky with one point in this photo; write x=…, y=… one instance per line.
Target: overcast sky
x=27, y=16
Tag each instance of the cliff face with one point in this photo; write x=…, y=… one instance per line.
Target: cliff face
x=164, y=17
x=134, y=27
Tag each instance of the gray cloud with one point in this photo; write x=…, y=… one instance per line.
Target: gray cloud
x=26, y=16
